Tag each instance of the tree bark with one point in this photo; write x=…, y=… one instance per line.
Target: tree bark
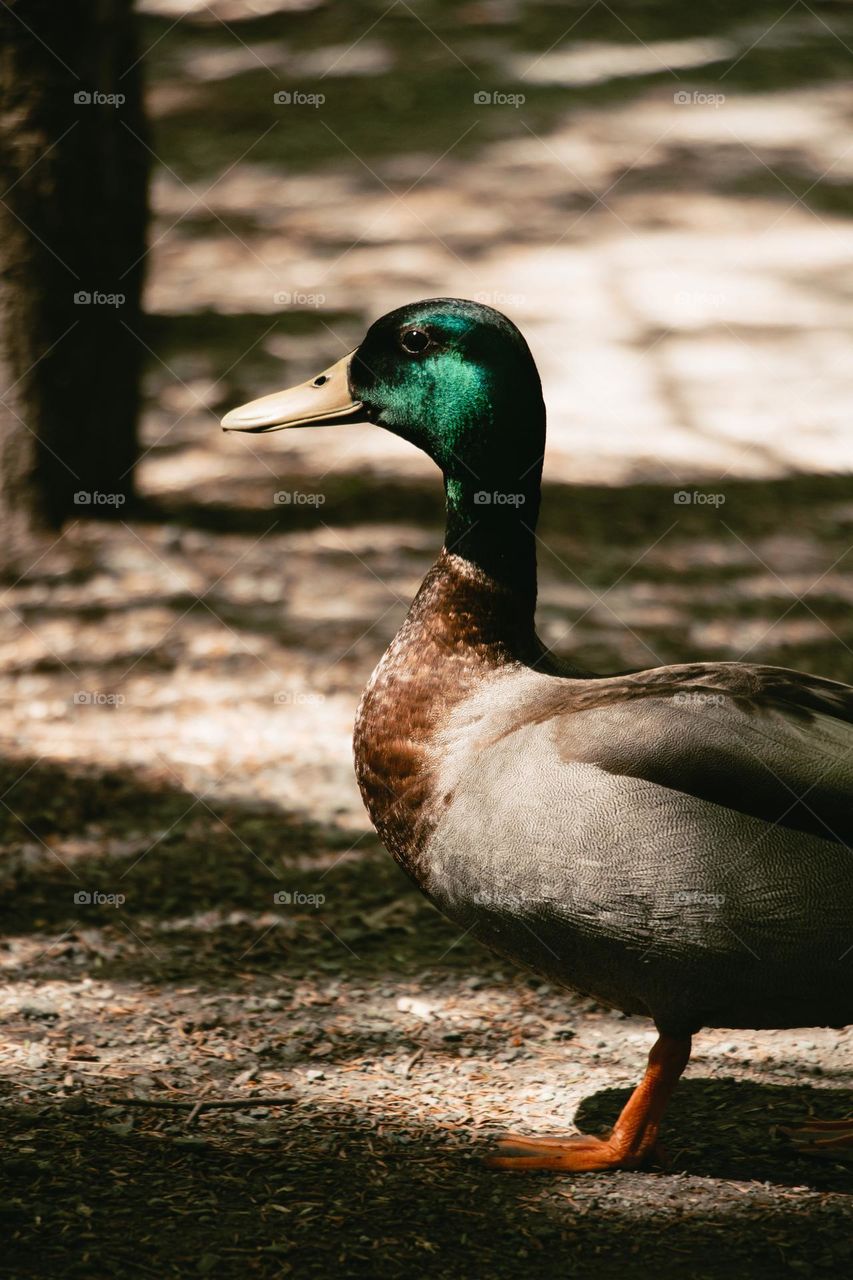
x=73, y=178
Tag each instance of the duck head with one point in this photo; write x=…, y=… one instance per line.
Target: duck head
x=456, y=379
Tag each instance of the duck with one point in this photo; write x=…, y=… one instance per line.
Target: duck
x=673, y=843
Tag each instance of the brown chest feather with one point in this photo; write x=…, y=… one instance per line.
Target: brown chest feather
x=455, y=634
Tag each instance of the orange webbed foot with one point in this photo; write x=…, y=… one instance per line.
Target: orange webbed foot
x=575, y=1153
x=633, y=1142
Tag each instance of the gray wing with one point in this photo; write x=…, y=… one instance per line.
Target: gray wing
x=671, y=842
x=781, y=753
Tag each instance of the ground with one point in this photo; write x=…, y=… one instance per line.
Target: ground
x=195, y=909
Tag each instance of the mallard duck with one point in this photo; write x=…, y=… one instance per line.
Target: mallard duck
x=673, y=842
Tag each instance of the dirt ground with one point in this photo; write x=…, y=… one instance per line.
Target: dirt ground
x=194, y=910
x=393, y=1049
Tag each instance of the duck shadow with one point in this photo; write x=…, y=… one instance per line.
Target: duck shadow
x=732, y=1129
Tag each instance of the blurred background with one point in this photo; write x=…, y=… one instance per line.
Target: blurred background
x=659, y=195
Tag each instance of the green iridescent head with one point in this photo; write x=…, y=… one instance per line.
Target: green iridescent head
x=456, y=379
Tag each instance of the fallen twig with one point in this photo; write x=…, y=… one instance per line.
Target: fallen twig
x=196, y=1106
x=419, y=1053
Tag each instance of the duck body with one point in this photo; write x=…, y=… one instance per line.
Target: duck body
x=676, y=842
x=639, y=838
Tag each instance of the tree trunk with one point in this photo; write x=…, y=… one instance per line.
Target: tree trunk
x=73, y=173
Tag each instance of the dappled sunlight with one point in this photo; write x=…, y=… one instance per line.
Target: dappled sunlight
x=224, y=1009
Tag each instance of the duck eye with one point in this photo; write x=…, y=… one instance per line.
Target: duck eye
x=415, y=341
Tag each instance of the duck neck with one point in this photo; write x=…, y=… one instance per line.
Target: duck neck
x=491, y=525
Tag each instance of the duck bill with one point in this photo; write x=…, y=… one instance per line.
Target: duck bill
x=324, y=400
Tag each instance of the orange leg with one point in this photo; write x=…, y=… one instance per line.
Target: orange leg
x=633, y=1139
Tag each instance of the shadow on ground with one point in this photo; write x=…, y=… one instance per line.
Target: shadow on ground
x=764, y=574
x=339, y=1192
x=206, y=885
